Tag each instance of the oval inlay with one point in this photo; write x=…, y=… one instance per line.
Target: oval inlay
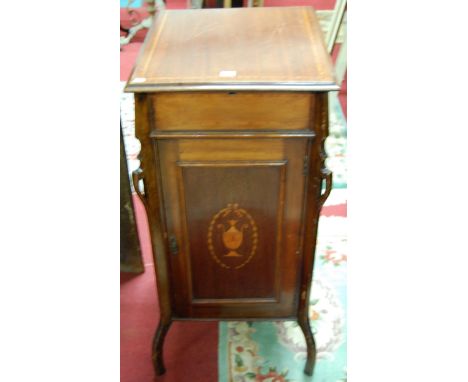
x=232, y=237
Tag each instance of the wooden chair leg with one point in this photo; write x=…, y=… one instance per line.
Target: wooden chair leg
x=311, y=350
x=158, y=343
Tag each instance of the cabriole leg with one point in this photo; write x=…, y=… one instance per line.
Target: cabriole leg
x=158, y=342
x=311, y=351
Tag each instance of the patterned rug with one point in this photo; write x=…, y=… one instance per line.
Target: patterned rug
x=275, y=351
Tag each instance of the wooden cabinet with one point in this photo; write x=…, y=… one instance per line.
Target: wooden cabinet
x=130, y=253
x=231, y=112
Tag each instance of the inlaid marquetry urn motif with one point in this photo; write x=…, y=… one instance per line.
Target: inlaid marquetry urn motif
x=232, y=237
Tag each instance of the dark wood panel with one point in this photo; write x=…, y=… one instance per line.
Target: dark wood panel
x=234, y=217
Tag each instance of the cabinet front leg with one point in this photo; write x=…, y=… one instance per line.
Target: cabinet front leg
x=158, y=343
x=311, y=351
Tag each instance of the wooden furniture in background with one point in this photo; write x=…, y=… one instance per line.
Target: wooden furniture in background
x=130, y=252
x=232, y=114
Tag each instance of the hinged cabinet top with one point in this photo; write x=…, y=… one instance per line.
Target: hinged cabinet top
x=273, y=48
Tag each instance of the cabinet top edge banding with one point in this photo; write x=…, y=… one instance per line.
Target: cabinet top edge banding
x=163, y=134
x=313, y=87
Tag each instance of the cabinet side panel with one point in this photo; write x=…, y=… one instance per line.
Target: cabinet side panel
x=149, y=165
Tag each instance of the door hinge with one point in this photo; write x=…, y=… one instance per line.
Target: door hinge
x=305, y=170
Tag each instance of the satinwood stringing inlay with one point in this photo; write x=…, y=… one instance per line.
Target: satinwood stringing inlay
x=232, y=237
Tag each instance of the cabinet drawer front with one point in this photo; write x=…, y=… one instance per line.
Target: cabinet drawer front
x=232, y=111
x=233, y=218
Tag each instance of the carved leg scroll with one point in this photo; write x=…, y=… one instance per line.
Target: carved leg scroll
x=158, y=342
x=311, y=350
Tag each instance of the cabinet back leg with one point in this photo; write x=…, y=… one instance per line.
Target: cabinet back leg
x=311, y=350
x=158, y=343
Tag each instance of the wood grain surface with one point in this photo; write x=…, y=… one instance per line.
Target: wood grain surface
x=246, y=110
x=273, y=48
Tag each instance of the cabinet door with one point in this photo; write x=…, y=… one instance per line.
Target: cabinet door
x=233, y=210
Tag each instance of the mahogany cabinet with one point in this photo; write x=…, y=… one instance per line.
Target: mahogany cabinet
x=231, y=112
